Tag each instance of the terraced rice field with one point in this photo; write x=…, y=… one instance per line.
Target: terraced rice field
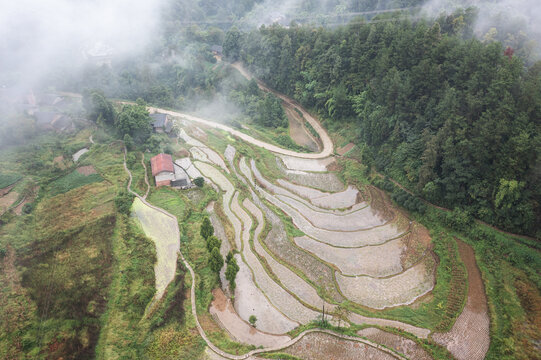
x=223, y=312
x=321, y=346
x=340, y=200
x=162, y=229
x=375, y=261
x=322, y=181
x=380, y=293
x=254, y=286
x=408, y=347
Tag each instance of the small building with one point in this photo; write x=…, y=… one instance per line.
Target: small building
x=167, y=173
x=162, y=169
x=217, y=49
x=161, y=123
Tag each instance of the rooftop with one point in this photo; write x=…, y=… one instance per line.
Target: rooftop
x=161, y=162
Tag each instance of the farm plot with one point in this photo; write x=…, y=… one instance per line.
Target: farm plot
x=217, y=177
x=298, y=132
x=359, y=220
x=373, y=236
x=399, y=343
x=253, y=283
x=470, y=336
x=7, y=200
x=219, y=231
x=163, y=230
x=314, y=165
x=323, y=181
x=222, y=310
x=376, y=261
x=245, y=170
x=340, y=200
x=280, y=246
x=278, y=190
x=402, y=289
x=291, y=281
x=323, y=346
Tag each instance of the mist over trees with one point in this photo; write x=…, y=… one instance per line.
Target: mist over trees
x=448, y=116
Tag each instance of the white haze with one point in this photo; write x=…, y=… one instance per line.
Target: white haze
x=510, y=18
x=40, y=36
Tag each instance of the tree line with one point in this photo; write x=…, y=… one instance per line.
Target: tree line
x=447, y=115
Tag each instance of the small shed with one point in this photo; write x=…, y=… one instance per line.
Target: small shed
x=161, y=123
x=217, y=49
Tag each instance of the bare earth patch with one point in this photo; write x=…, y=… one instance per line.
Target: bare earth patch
x=298, y=132
x=397, y=290
x=470, y=336
x=7, y=200
x=345, y=149
x=322, y=346
x=401, y=344
x=86, y=170
x=222, y=310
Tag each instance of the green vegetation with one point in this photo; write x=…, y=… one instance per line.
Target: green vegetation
x=399, y=85
x=231, y=270
x=123, y=201
x=207, y=229
x=199, y=181
x=8, y=179
x=252, y=320
x=72, y=181
x=216, y=261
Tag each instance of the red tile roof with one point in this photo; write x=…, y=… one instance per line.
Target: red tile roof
x=161, y=162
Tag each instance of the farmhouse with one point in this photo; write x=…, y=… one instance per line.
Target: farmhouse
x=161, y=123
x=166, y=173
x=217, y=49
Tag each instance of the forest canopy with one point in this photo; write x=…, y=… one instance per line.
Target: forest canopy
x=447, y=115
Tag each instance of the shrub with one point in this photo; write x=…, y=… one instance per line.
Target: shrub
x=252, y=319
x=231, y=271
x=216, y=261
x=213, y=242
x=207, y=229
x=123, y=201
x=199, y=181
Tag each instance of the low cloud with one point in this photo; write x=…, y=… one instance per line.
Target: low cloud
x=39, y=37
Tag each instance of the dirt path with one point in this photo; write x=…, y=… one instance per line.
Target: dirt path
x=324, y=137
x=146, y=174
x=469, y=338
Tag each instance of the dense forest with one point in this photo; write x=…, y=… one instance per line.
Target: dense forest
x=445, y=114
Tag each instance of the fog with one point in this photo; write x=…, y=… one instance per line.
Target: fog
x=514, y=22
x=39, y=36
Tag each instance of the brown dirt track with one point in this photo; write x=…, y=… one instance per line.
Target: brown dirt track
x=469, y=338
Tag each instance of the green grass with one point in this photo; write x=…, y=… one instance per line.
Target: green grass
x=72, y=181
x=132, y=288
x=8, y=179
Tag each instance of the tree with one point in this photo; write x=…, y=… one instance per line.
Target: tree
x=128, y=142
x=232, y=44
x=199, y=181
x=123, y=201
x=231, y=271
x=206, y=228
x=252, y=319
x=213, y=242
x=216, y=261
x=134, y=120
x=97, y=107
